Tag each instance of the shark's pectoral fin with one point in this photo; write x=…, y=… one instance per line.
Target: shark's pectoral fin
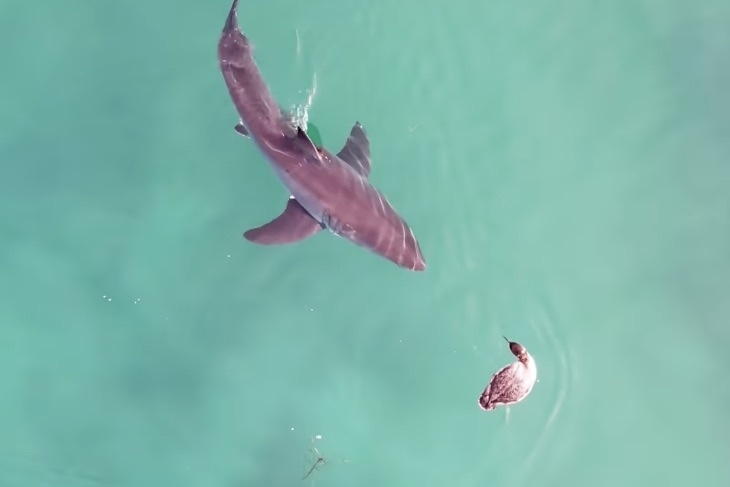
x=241, y=129
x=356, y=151
x=293, y=225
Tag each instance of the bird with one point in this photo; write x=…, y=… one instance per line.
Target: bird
x=512, y=383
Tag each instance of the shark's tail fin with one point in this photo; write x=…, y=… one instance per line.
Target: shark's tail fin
x=232, y=20
x=233, y=45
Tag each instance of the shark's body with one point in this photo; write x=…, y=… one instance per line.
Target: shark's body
x=327, y=190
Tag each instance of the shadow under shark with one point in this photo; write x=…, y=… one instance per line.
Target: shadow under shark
x=327, y=190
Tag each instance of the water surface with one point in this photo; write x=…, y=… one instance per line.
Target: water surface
x=563, y=164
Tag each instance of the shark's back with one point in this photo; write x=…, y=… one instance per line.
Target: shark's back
x=249, y=92
x=354, y=209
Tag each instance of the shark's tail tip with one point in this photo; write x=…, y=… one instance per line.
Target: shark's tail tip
x=232, y=19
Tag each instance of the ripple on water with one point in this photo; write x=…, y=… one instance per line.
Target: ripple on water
x=526, y=315
x=557, y=357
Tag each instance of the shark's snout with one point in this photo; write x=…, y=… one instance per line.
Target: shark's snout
x=411, y=257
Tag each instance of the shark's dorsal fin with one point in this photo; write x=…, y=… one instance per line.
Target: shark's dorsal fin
x=288, y=124
x=293, y=225
x=302, y=135
x=292, y=130
x=312, y=152
x=356, y=151
x=241, y=129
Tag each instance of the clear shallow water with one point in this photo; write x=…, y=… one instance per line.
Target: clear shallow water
x=564, y=166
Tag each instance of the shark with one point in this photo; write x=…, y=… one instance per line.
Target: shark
x=327, y=191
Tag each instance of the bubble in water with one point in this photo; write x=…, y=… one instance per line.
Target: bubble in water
x=300, y=114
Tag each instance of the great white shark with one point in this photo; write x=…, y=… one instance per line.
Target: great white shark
x=328, y=191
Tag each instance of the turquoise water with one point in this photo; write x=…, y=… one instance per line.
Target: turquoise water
x=563, y=164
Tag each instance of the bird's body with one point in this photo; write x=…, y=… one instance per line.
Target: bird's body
x=512, y=383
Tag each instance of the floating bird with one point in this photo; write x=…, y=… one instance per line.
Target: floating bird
x=513, y=382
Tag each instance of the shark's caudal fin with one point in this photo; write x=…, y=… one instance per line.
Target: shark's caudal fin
x=356, y=151
x=293, y=225
x=232, y=19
